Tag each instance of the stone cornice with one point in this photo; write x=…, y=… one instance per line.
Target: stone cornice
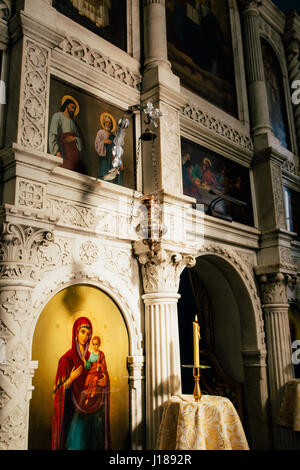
x=273, y=16
x=214, y=124
x=272, y=269
x=24, y=24
x=272, y=154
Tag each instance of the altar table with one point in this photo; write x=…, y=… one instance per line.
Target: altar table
x=210, y=424
x=289, y=414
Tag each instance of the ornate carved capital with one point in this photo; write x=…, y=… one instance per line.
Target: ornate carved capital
x=19, y=250
x=161, y=268
x=149, y=2
x=274, y=287
x=250, y=5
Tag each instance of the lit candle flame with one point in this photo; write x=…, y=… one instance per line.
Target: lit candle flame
x=196, y=338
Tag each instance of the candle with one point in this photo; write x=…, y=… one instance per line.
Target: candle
x=196, y=335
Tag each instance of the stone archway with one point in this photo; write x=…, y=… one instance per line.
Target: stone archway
x=239, y=331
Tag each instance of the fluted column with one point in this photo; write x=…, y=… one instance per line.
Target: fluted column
x=280, y=368
x=255, y=68
x=161, y=271
x=292, y=43
x=163, y=373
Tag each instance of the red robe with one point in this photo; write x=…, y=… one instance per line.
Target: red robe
x=70, y=152
x=66, y=363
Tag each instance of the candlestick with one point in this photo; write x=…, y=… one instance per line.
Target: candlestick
x=197, y=390
x=196, y=336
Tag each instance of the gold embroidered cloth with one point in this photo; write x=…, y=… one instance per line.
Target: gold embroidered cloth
x=211, y=424
x=289, y=414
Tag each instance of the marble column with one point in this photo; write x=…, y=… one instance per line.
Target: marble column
x=161, y=271
x=292, y=43
x=280, y=368
x=155, y=34
x=255, y=71
x=162, y=88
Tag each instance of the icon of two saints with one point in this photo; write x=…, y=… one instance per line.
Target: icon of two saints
x=65, y=139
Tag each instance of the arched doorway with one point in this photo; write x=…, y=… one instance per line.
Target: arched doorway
x=230, y=327
x=53, y=338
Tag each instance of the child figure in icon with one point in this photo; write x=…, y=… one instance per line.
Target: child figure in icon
x=94, y=365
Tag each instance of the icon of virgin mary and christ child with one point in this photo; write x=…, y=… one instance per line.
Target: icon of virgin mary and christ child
x=81, y=398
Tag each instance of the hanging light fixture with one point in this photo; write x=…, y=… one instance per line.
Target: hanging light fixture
x=150, y=229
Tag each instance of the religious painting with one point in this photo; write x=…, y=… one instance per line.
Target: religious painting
x=81, y=394
x=294, y=323
x=275, y=95
x=207, y=175
x=200, y=49
x=82, y=131
x=107, y=18
x=292, y=210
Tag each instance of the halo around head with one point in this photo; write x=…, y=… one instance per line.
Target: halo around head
x=69, y=97
x=208, y=161
x=102, y=120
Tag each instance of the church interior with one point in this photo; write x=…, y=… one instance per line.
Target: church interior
x=150, y=225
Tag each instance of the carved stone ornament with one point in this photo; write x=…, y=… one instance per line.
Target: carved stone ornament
x=100, y=62
x=89, y=252
x=31, y=195
x=170, y=132
x=161, y=268
x=19, y=250
x=32, y=133
x=216, y=125
x=4, y=398
x=290, y=166
x=278, y=196
x=274, y=288
x=13, y=431
x=17, y=305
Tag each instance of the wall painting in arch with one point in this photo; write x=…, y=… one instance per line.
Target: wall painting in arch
x=80, y=399
x=107, y=18
x=204, y=170
x=275, y=94
x=200, y=49
x=82, y=130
